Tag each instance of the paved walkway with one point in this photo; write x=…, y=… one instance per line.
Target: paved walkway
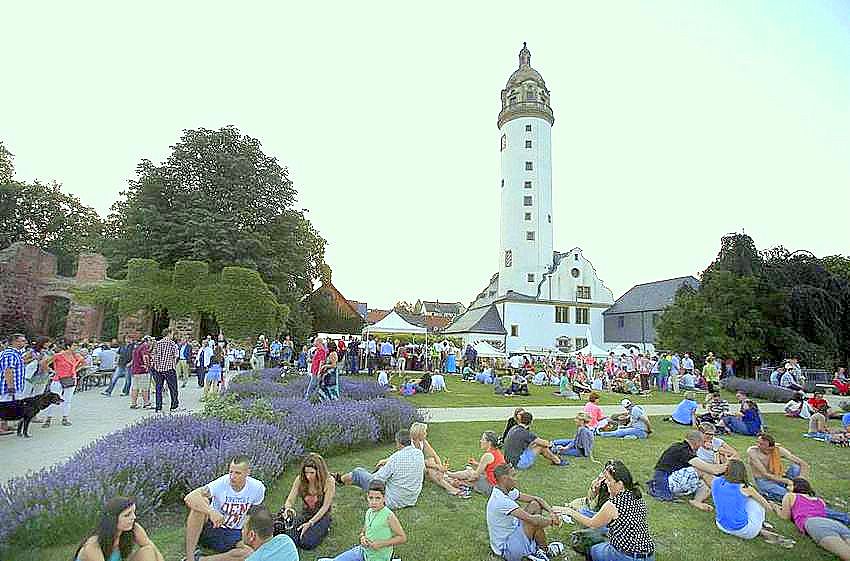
x=93, y=416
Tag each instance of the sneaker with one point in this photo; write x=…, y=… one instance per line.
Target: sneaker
x=539, y=556
x=147, y=406
x=124, y=394
x=630, y=437
x=66, y=422
x=555, y=549
x=134, y=406
x=195, y=556
x=104, y=394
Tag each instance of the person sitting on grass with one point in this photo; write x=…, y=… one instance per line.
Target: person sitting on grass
x=688, y=382
x=217, y=512
x=258, y=534
x=625, y=515
x=518, y=534
x=716, y=408
x=402, y=474
x=434, y=467
x=467, y=374
x=686, y=411
x=748, y=422
x=116, y=535
x=809, y=514
x=522, y=446
x=596, y=418
x=679, y=472
x=316, y=489
x=740, y=510
x=381, y=530
x=519, y=384
x=840, y=381
x=765, y=459
x=511, y=423
x=637, y=425
x=715, y=450
x=479, y=473
x=581, y=446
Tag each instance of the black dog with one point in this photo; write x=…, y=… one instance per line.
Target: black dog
x=25, y=409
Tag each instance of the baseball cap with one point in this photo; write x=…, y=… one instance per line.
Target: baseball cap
x=626, y=403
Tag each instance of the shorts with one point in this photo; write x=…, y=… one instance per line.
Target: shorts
x=526, y=459
x=819, y=528
x=219, y=539
x=684, y=481
x=142, y=382
x=482, y=485
x=518, y=545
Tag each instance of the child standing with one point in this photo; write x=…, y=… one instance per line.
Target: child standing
x=381, y=531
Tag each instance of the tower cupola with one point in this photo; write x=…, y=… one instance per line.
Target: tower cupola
x=525, y=94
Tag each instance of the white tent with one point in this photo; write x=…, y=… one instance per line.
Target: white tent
x=593, y=350
x=486, y=350
x=394, y=323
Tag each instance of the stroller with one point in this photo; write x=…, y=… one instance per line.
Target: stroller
x=329, y=385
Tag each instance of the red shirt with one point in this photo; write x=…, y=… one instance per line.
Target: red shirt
x=139, y=363
x=817, y=404
x=498, y=459
x=318, y=360
x=66, y=367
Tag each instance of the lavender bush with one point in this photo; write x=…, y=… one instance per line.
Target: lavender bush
x=158, y=460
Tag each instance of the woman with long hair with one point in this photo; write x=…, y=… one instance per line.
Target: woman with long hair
x=512, y=422
x=808, y=512
x=625, y=515
x=479, y=474
x=435, y=469
x=214, y=374
x=740, y=509
x=316, y=489
x=66, y=363
x=116, y=535
x=747, y=423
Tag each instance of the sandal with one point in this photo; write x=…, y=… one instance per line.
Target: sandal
x=338, y=478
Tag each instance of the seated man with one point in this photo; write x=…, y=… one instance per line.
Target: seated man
x=765, y=459
x=818, y=404
x=680, y=473
x=581, y=445
x=686, y=411
x=217, y=513
x=715, y=450
x=402, y=474
x=258, y=534
x=519, y=384
x=467, y=374
x=637, y=426
x=518, y=534
x=521, y=446
x=716, y=408
x=789, y=380
x=540, y=378
x=688, y=382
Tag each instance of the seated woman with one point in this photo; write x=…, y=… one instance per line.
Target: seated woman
x=688, y=382
x=316, y=489
x=116, y=535
x=809, y=515
x=579, y=446
x=540, y=378
x=423, y=384
x=486, y=377
x=596, y=418
x=580, y=383
x=686, y=411
x=740, y=509
x=519, y=385
x=625, y=515
x=467, y=374
x=512, y=422
x=748, y=422
x=840, y=381
x=438, y=383
x=435, y=470
x=479, y=473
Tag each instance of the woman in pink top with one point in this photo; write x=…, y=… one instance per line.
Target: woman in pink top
x=66, y=363
x=597, y=418
x=809, y=515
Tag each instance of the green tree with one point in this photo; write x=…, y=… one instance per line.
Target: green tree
x=217, y=198
x=7, y=164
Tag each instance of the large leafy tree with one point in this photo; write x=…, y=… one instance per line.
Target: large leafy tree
x=42, y=215
x=217, y=198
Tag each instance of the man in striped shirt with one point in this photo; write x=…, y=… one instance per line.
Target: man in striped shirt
x=12, y=375
x=164, y=356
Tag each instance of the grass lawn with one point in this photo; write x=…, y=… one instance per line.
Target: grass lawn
x=471, y=394
x=444, y=528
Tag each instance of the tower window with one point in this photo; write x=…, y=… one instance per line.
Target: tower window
x=503, y=183
x=530, y=277
x=527, y=185
x=529, y=166
x=529, y=236
x=528, y=144
x=526, y=201
x=575, y=272
x=528, y=216
x=515, y=330
x=549, y=216
x=512, y=100
x=527, y=128
x=504, y=143
x=530, y=95
x=583, y=316
x=509, y=260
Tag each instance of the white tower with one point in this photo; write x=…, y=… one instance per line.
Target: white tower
x=525, y=123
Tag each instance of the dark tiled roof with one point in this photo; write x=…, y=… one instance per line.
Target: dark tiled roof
x=442, y=307
x=374, y=316
x=362, y=308
x=651, y=296
x=480, y=320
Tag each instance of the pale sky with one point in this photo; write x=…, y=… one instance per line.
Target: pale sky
x=675, y=122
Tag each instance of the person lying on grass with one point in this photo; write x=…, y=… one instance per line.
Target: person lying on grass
x=116, y=535
x=522, y=446
x=740, y=509
x=809, y=514
x=581, y=446
x=435, y=469
x=479, y=473
x=624, y=513
x=518, y=534
x=679, y=472
x=381, y=530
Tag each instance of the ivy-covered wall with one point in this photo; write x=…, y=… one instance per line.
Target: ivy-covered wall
x=239, y=300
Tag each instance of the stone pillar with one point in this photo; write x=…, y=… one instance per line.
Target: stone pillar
x=186, y=326
x=135, y=325
x=83, y=323
x=91, y=267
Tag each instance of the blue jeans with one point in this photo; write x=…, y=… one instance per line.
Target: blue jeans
x=353, y=364
x=566, y=442
x=287, y=354
x=120, y=372
x=773, y=490
x=736, y=425
x=353, y=554
x=606, y=552
x=620, y=433
x=313, y=384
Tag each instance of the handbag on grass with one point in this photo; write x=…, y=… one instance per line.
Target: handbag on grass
x=582, y=540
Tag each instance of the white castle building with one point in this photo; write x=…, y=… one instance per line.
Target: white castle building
x=541, y=299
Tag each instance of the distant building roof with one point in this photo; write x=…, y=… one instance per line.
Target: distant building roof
x=651, y=296
x=480, y=320
x=374, y=316
x=341, y=301
x=442, y=307
x=361, y=307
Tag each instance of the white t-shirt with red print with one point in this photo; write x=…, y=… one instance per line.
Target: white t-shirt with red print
x=233, y=504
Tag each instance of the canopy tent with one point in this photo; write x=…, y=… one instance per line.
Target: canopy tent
x=486, y=350
x=394, y=323
x=591, y=349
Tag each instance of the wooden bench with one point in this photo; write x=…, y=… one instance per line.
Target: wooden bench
x=826, y=388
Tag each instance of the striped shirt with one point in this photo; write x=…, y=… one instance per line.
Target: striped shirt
x=12, y=358
x=164, y=355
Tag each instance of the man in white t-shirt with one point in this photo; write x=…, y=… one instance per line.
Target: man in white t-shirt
x=218, y=510
x=518, y=533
